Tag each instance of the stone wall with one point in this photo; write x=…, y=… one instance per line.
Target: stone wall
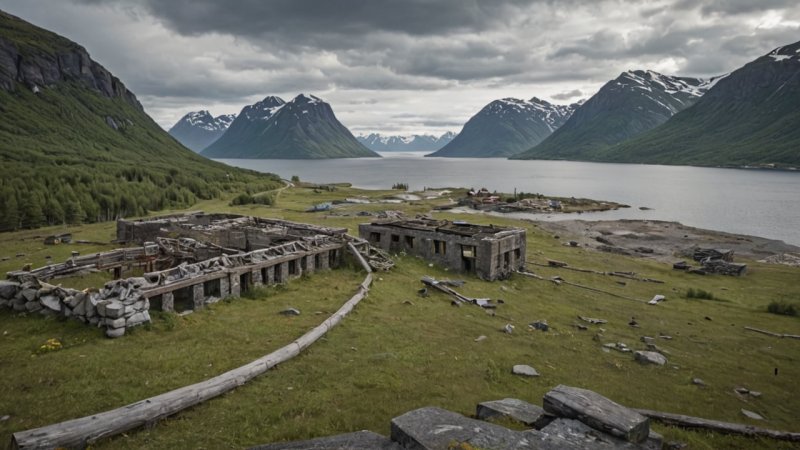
x=125, y=303
x=493, y=258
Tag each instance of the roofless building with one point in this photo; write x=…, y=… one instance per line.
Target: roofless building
x=490, y=252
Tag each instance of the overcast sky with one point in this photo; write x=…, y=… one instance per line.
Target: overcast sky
x=404, y=66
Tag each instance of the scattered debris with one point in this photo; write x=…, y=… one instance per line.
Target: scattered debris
x=592, y=320
x=458, y=299
x=619, y=346
x=290, y=312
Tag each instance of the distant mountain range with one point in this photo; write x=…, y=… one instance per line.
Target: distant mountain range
x=197, y=129
x=507, y=127
x=410, y=143
x=749, y=118
x=304, y=128
x=634, y=102
x=77, y=146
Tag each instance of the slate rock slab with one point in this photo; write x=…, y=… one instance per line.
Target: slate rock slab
x=524, y=370
x=752, y=415
x=584, y=436
x=650, y=358
x=597, y=412
x=350, y=441
x=434, y=428
x=521, y=411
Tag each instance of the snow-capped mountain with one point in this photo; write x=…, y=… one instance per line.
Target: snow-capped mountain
x=304, y=128
x=411, y=143
x=634, y=102
x=750, y=117
x=506, y=127
x=197, y=129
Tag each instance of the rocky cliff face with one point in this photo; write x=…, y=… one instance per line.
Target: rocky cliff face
x=37, y=65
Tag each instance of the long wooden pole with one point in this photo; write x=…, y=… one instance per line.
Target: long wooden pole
x=717, y=426
x=85, y=430
x=770, y=333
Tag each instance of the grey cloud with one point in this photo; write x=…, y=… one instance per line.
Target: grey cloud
x=566, y=95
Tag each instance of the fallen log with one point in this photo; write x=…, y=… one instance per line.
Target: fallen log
x=770, y=333
x=79, y=433
x=717, y=426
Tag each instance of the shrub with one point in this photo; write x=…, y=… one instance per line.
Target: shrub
x=782, y=308
x=699, y=293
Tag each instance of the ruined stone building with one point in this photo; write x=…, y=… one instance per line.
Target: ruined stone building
x=188, y=261
x=489, y=252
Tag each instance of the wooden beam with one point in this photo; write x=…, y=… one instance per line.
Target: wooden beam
x=717, y=426
x=770, y=333
x=86, y=430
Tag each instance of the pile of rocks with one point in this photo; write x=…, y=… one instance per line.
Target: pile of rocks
x=571, y=418
x=117, y=306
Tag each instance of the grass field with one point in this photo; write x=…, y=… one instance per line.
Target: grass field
x=389, y=356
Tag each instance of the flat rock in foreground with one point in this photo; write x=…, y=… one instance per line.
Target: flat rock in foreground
x=598, y=412
x=580, y=434
x=434, y=428
x=350, y=441
x=521, y=411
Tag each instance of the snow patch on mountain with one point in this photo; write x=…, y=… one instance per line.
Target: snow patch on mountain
x=409, y=143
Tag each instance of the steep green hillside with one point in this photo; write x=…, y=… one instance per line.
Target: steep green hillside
x=752, y=117
x=76, y=146
x=634, y=102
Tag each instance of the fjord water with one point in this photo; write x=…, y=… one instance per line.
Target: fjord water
x=756, y=202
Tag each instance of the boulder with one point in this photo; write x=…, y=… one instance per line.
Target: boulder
x=115, y=332
x=8, y=289
x=290, y=312
x=114, y=309
x=650, y=358
x=521, y=411
x=29, y=294
x=76, y=299
x=357, y=440
x=524, y=370
x=51, y=302
x=115, y=323
x=597, y=412
x=33, y=306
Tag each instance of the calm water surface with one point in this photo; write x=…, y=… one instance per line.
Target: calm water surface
x=756, y=202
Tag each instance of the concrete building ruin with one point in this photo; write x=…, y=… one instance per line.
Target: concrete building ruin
x=490, y=252
x=188, y=261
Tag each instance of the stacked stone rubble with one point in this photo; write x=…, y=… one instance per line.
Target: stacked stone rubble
x=117, y=306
